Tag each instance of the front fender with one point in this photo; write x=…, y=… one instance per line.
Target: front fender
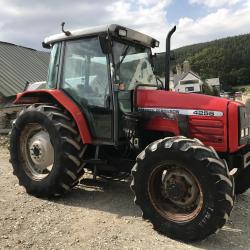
x=41, y=96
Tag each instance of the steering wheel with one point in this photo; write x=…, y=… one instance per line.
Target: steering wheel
x=73, y=92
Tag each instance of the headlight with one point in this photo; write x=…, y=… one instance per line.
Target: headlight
x=244, y=122
x=242, y=134
x=157, y=43
x=246, y=131
x=122, y=32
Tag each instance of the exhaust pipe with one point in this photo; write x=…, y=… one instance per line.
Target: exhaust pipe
x=167, y=58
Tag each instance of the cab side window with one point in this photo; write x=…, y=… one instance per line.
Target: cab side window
x=53, y=66
x=85, y=74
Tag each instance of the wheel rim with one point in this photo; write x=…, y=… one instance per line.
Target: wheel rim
x=37, y=152
x=175, y=193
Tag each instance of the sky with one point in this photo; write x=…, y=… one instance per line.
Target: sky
x=28, y=22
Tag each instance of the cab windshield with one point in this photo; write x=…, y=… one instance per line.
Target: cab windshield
x=132, y=65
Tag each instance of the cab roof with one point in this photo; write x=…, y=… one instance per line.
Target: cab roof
x=113, y=30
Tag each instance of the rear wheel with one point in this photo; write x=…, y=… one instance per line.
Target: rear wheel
x=46, y=150
x=183, y=188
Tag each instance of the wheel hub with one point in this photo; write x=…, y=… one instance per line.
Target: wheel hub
x=175, y=191
x=36, y=151
x=179, y=188
x=41, y=150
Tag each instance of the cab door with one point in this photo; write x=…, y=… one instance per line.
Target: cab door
x=85, y=77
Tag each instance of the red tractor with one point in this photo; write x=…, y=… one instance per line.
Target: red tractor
x=104, y=110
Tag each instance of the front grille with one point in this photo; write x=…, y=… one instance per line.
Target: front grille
x=244, y=124
x=208, y=131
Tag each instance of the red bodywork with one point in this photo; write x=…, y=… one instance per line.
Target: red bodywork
x=29, y=97
x=218, y=132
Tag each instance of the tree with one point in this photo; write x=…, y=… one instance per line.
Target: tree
x=228, y=59
x=216, y=92
x=206, y=89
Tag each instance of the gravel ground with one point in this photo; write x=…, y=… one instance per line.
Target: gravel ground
x=4, y=141
x=96, y=216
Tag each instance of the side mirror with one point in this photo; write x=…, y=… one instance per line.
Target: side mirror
x=105, y=44
x=158, y=63
x=46, y=46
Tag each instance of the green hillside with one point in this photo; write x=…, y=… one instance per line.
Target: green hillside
x=227, y=58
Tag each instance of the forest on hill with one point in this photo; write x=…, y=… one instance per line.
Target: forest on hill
x=227, y=58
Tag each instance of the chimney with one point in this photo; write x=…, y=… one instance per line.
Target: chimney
x=186, y=66
x=178, y=69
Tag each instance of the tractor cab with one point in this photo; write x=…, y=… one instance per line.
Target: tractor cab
x=99, y=69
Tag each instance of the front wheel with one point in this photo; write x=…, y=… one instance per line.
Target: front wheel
x=183, y=188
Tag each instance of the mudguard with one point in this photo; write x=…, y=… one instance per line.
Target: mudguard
x=40, y=96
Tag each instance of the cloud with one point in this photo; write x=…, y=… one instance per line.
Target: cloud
x=215, y=3
x=221, y=23
x=149, y=16
x=28, y=22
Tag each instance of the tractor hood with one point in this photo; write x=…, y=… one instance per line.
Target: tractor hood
x=182, y=103
x=213, y=120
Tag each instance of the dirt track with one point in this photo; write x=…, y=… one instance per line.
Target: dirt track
x=100, y=216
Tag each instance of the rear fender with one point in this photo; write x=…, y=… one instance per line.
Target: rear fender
x=55, y=95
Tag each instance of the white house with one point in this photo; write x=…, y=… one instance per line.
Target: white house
x=190, y=82
x=214, y=83
x=187, y=82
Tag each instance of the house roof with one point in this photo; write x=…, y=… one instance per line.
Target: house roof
x=213, y=81
x=179, y=77
x=18, y=65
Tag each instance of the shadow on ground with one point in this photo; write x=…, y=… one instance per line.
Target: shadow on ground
x=108, y=196
x=117, y=198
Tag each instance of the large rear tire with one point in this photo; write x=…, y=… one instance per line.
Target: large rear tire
x=46, y=150
x=183, y=188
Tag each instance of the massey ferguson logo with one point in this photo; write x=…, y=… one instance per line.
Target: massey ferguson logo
x=189, y=112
